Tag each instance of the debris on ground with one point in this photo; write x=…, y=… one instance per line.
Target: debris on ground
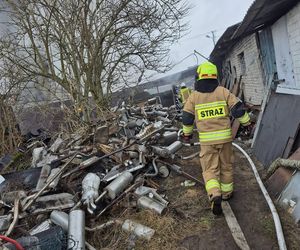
x=125, y=183
x=72, y=182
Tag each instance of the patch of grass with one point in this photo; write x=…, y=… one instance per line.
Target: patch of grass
x=268, y=225
x=207, y=221
x=290, y=228
x=19, y=162
x=169, y=229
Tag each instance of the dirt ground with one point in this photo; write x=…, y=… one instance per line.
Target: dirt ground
x=188, y=222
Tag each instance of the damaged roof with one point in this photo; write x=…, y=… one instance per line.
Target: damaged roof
x=224, y=44
x=261, y=13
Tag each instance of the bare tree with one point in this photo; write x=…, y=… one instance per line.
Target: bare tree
x=90, y=46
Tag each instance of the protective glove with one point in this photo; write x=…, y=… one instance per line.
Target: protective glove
x=187, y=138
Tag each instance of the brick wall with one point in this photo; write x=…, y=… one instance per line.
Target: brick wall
x=252, y=77
x=293, y=28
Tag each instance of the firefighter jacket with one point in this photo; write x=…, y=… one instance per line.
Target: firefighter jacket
x=184, y=94
x=210, y=109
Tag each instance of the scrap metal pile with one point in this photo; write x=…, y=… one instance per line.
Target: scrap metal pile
x=75, y=181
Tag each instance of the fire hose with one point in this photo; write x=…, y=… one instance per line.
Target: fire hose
x=278, y=227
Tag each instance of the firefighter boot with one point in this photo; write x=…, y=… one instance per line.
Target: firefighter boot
x=227, y=196
x=216, y=206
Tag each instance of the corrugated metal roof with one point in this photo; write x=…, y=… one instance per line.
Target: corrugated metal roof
x=263, y=13
x=224, y=43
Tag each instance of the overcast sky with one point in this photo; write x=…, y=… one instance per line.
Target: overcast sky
x=206, y=16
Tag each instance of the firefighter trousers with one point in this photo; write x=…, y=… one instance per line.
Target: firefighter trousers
x=216, y=161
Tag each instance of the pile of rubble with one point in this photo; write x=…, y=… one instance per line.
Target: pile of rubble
x=75, y=180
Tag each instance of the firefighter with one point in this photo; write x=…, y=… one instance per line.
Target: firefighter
x=184, y=93
x=209, y=106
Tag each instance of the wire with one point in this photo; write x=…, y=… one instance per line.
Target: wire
x=198, y=35
x=14, y=242
x=205, y=57
x=192, y=54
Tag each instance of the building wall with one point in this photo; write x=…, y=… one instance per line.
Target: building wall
x=293, y=27
x=252, y=76
x=286, y=37
x=280, y=123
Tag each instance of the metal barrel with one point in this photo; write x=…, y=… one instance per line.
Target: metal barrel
x=76, y=231
x=148, y=203
x=118, y=184
x=60, y=218
x=138, y=229
x=174, y=147
x=163, y=171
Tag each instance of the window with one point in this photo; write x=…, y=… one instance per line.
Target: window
x=242, y=63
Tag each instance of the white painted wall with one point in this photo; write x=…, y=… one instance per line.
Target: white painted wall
x=283, y=57
x=293, y=28
x=286, y=37
x=252, y=79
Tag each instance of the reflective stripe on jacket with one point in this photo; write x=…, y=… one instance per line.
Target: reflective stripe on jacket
x=184, y=94
x=211, y=112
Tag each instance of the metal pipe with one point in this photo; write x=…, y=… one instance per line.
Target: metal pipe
x=76, y=230
x=119, y=184
x=120, y=197
x=81, y=167
x=148, y=203
x=189, y=156
x=62, y=219
x=138, y=229
x=151, y=192
x=278, y=227
x=169, y=137
x=155, y=168
x=179, y=133
x=163, y=152
x=101, y=196
x=177, y=169
x=174, y=147
x=48, y=183
x=169, y=151
x=16, y=217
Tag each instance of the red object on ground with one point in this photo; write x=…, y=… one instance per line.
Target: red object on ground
x=17, y=244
